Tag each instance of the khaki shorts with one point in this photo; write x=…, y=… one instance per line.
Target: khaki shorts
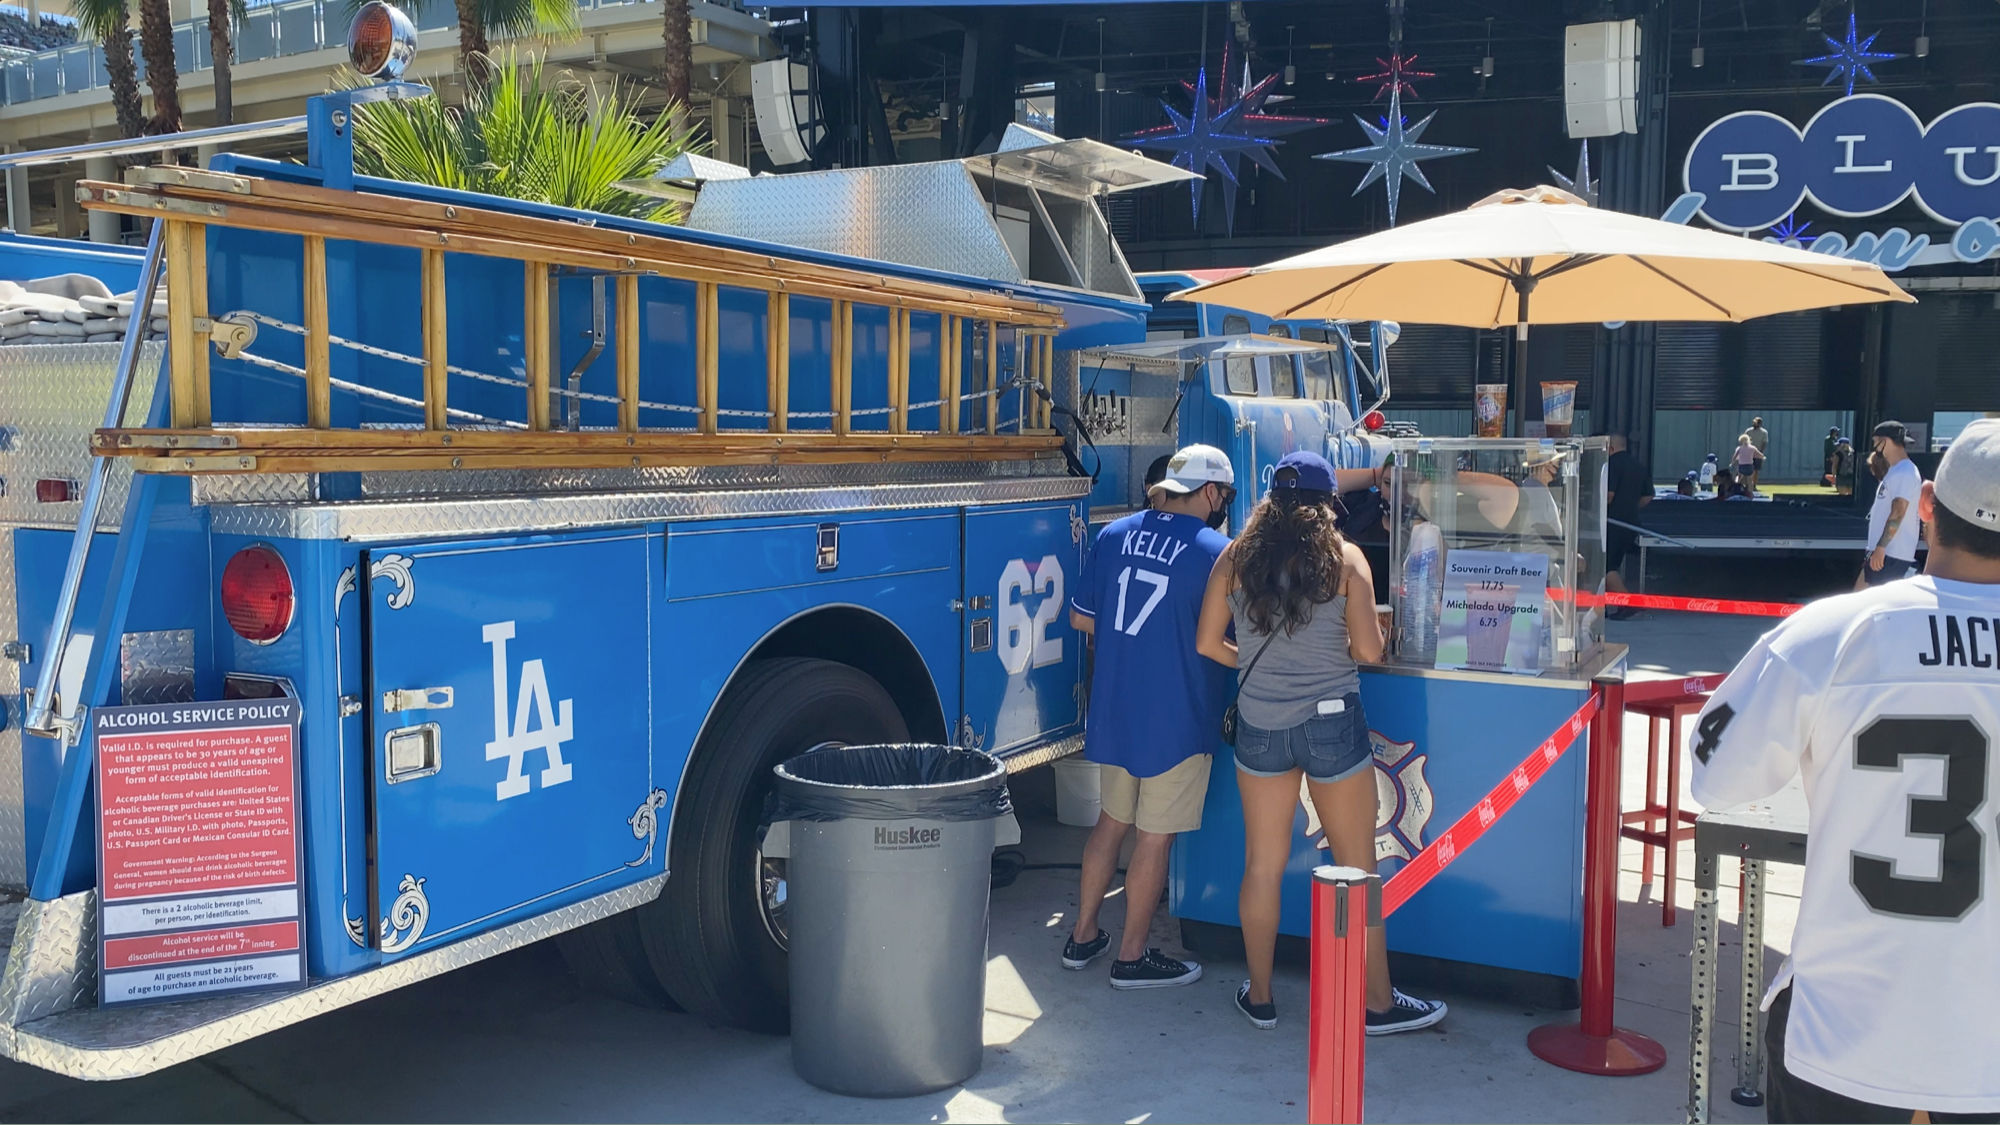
x=1163, y=804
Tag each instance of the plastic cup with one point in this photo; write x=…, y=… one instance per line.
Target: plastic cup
x=1489, y=409
x=1558, y=407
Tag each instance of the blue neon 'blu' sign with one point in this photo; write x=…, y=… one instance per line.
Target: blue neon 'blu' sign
x=1860, y=155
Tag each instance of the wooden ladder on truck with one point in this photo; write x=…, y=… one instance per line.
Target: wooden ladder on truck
x=187, y=203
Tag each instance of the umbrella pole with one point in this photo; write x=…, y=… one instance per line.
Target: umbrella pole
x=1524, y=284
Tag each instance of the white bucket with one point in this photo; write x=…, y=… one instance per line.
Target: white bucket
x=1077, y=796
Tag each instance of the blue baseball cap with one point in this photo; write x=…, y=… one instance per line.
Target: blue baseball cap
x=1312, y=472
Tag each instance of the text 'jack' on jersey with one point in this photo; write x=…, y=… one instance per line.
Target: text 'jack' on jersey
x=1886, y=704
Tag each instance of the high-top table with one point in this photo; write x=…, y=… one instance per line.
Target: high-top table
x=1768, y=831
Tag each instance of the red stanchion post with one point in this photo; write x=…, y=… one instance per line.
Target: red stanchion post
x=1346, y=901
x=1595, y=1045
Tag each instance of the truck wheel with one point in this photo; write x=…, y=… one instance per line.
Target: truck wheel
x=607, y=957
x=715, y=935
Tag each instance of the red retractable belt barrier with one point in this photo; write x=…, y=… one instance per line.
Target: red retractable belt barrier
x=1425, y=865
x=1343, y=897
x=1684, y=605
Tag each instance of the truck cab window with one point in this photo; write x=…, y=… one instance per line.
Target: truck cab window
x=1239, y=375
x=1284, y=369
x=1317, y=368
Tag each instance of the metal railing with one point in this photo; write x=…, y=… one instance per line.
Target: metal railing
x=294, y=27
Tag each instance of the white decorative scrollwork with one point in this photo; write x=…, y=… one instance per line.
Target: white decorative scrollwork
x=969, y=737
x=396, y=568
x=357, y=932
x=404, y=923
x=1077, y=526
x=646, y=824
x=342, y=588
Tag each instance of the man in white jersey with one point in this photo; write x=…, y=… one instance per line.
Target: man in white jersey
x=1886, y=702
x=1892, y=528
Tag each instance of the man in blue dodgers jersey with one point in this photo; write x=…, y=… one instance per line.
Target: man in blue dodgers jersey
x=1156, y=704
x=1887, y=703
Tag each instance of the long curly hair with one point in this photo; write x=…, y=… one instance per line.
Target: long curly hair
x=1288, y=559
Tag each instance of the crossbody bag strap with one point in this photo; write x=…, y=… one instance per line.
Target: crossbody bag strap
x=1259, y=656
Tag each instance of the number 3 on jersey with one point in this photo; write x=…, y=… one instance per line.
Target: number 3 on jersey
x=1025, y=641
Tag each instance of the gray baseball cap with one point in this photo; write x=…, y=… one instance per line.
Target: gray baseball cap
x=1968, y=478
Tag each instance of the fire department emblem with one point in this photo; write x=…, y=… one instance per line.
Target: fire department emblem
x=1403, y=802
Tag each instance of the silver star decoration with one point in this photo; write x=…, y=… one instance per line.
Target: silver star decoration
x=1395, y=154
x=1582, y=186
x=1849, y=58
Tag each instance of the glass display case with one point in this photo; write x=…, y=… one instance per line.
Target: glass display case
x=1496, y=555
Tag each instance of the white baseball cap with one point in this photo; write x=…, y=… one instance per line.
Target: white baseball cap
x=1968, y=479
x=1194, y=466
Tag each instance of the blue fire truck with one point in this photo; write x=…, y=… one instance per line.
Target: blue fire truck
x=560, y=529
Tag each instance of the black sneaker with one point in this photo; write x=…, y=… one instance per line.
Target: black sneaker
x=1263, y=1015
x=1078, y=954
x=1154, y=970
x=1409, y=1014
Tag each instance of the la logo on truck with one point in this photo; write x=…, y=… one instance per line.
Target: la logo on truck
x=531, y=702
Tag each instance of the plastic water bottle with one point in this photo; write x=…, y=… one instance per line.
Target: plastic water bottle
x=1419, y=599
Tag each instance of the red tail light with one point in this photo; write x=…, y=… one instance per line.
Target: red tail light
x=54, y=490
x=1373, y=421
x=257, y=595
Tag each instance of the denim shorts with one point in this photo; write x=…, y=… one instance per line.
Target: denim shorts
x=1326, y=747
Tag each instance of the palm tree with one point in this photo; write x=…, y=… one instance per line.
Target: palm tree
x=108, y=22
x=220, y=50
x=479, y=19
x=678, y=68
x=526, y=134
x=156, y=44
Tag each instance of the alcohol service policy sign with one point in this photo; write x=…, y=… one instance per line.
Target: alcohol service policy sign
x=198, y=849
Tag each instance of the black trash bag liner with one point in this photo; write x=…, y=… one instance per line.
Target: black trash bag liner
x=901, y=781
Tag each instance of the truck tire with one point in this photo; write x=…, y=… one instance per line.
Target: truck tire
x=707, y=935
x=608, y=958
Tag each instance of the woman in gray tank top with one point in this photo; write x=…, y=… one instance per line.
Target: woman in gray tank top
x=1302, y=600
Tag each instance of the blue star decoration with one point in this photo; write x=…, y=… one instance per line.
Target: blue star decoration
x=1396, y=153
x=1849, y=57
x=1217, y=133
x=1789, y=231
x=1582, y=185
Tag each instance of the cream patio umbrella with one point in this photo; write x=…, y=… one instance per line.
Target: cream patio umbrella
x=1544, y=256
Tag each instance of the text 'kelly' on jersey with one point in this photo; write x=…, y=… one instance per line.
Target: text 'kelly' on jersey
x=1886, y=703
x=1154, y=701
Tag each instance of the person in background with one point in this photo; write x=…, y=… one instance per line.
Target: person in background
x=1833, y=440
x=1686, y=487
x=1892, y=523
x=1761, y=438
x=1156, y=704
x=1725, y=485
x=1884, y=704
x=1155, y=473
x=1840, y=472
x=1709, y=468
x=1747, y=459
x=1629, y=487
x=1302, y=601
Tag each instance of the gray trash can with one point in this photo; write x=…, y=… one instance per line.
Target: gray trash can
x=890, y=853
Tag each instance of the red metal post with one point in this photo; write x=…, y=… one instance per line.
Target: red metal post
x=1346, y=901
x=1595, y=1045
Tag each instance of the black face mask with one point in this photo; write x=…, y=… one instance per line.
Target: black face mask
x=1218, y=517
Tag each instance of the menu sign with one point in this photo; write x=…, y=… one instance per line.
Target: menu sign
x=198, y=851
x=1493, y=605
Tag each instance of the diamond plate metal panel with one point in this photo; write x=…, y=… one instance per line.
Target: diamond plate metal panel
x=505, y=481
x=255, y=488
x=55, y=396
x=156, y=667
x=13, y=817
x=102, y=1044
x=375, y=521
x=927, y=215
x=52, y=962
